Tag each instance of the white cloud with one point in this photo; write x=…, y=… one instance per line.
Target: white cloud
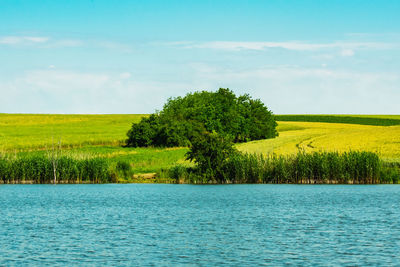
x=297, y=46
x=65, y=81
x=312, y=90
x=284, y=89
x=347, y=53
x=46, y=42
x=58, y=91
x=36, y=39
x=66, y=43
x=12, y=40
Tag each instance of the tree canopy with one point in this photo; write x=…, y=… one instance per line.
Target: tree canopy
x=210, y=152
x=185, y=118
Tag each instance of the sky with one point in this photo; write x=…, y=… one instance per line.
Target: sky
x=298, y=57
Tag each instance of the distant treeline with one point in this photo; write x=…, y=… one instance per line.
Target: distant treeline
x=303, y=168
x=43, y=170
x=340, y=119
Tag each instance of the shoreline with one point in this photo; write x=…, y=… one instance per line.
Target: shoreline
x=31, y=182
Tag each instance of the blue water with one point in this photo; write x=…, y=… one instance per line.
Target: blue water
x=140, y=224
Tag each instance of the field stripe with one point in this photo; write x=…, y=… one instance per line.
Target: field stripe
x=361, y=120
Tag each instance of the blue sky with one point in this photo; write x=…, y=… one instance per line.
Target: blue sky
x=130, y=56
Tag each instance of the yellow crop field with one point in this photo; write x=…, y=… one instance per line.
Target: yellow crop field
x=315, y=136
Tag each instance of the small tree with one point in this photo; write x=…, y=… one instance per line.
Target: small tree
x=210, y=152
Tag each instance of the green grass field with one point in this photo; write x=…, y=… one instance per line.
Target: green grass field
x=82, y=136
x=103, y=136
x=377, y=120
x=36, y=131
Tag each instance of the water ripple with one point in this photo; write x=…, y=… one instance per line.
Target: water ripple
x=127, y=225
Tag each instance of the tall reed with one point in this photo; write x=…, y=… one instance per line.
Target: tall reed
x=304, y=168
x=40, y=169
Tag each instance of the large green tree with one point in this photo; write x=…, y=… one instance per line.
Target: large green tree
x=184, y=118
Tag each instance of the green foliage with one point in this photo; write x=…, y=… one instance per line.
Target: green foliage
x=390, y=172
x=222, y=164
x=142, y=134
x=210, y=151
x=39, y=169
x=141, y=160
x=124, y=167
x=89, y=165
x=184, y=118
x=318, y=167
x=121, y=171
x=348, y=119
x=179, y=173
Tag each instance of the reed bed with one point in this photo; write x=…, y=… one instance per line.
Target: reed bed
x=41, y=169
x=303, y=168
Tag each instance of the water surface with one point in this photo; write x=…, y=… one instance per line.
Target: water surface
x=199, y=225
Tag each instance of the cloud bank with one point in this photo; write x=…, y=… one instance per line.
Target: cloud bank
x=296, y=46
x=13, y=40
x=284, y=89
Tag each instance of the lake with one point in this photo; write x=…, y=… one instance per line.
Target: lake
x=158, y=224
